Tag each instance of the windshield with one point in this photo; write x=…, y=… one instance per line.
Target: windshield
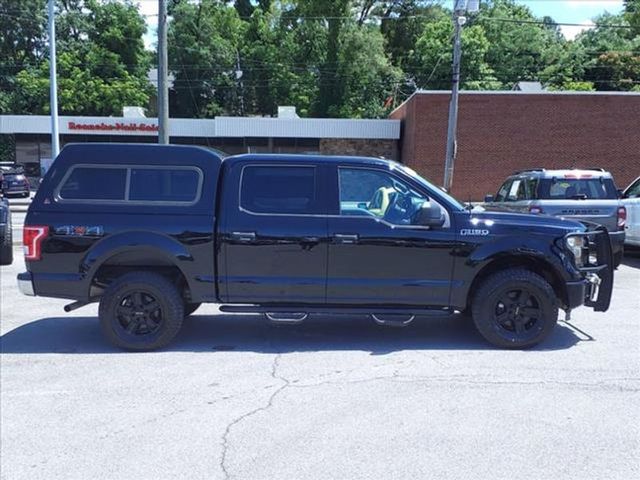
x=577, y=188
x=412, y=173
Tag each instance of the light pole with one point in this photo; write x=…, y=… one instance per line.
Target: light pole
x=163, y=93
x=461, y=7
x=53, y=83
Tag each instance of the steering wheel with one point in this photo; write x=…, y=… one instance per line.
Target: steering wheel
x=398, y=210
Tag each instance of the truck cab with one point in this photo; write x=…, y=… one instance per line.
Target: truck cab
x=151, y=232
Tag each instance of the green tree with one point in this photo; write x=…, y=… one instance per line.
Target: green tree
x=102, y=65
x=611, y=54
x=632, y=12
x=278, y=65
x=22, y=44
x=365, y=74
x=204, y=44
x=517, y=48
x=434, y=54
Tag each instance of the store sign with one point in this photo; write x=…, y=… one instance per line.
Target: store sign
x=117, y=126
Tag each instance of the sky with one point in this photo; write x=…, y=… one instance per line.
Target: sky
x=562, y=11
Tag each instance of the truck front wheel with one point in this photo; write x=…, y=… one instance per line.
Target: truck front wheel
x=515, y=308
x=141, y=311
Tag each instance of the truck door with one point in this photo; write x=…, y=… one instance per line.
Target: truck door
x=273, y=234
x=376, y=255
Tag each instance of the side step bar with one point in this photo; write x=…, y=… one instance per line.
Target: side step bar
x=288, y=318
x=298, y=310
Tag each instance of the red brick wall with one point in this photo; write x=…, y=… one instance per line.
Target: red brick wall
x=501, y=133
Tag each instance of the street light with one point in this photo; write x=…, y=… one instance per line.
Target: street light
x=53, y=82
x=460, y=9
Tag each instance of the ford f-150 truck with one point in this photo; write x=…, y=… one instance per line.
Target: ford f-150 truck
x=152, y=231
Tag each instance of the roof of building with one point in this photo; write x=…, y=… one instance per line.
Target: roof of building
x=384, y=129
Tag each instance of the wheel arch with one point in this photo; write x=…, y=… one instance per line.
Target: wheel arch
x=135, y=251
x=534, y=264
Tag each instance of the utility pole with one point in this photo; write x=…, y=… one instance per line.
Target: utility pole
x=163, y=92
x=239, y=74
x=53, y=82
x=461, y=7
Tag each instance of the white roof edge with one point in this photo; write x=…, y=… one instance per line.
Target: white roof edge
x=382, y=129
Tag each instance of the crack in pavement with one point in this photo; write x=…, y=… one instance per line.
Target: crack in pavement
x=236, y=421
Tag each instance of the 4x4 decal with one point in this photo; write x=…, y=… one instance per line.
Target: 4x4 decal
x=80, y=230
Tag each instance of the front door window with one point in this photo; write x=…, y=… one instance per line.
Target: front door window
x=377, y=194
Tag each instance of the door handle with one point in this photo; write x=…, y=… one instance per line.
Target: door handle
x=345, y=238
x=244, y=237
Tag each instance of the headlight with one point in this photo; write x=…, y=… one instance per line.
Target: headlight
x=576, y=244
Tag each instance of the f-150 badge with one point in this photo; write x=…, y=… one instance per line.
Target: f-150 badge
x=474, y=231
x=80, y=230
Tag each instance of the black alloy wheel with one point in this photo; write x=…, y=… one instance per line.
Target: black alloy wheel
x=518, y=311
x=515, y=308
x=141, y=311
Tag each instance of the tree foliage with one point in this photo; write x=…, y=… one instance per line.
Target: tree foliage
x=102, y=65
x=344, y=58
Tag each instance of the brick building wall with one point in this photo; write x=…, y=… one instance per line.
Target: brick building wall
x=500, y=132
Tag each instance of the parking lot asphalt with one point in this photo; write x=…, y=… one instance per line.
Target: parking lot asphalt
x=333, y=398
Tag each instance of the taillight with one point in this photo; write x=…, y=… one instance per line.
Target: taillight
x=32, y=237
x=535, y=209
x=622, y=218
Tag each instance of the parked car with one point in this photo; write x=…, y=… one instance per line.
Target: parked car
x=6, y=234
x=152, y=231
x=631, y=201
x=14, y=181
x=579, y=194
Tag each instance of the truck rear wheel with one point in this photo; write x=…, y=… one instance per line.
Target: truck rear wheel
x=515, y=308
x=141, y=311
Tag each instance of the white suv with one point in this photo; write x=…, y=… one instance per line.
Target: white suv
x=631, y=200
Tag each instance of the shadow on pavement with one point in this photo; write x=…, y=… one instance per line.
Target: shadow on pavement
x=252, y=333
x=631, y=257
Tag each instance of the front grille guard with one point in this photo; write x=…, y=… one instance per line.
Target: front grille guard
x=600, y=274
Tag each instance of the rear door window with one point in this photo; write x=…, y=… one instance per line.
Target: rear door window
x=577, y=188
x=279, y=190
x=95, y=183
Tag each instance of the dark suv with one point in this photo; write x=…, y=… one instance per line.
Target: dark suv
x=14, y=181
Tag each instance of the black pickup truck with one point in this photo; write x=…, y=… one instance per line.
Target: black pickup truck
x=152, y=231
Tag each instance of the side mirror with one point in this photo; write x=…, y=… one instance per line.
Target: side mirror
x=429, y=215
x=488, y=198
x=362, y=205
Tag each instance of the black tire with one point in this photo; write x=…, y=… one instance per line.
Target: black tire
x=6, y=247
x=499, y=303
x=190, y=307
x=141, y=311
